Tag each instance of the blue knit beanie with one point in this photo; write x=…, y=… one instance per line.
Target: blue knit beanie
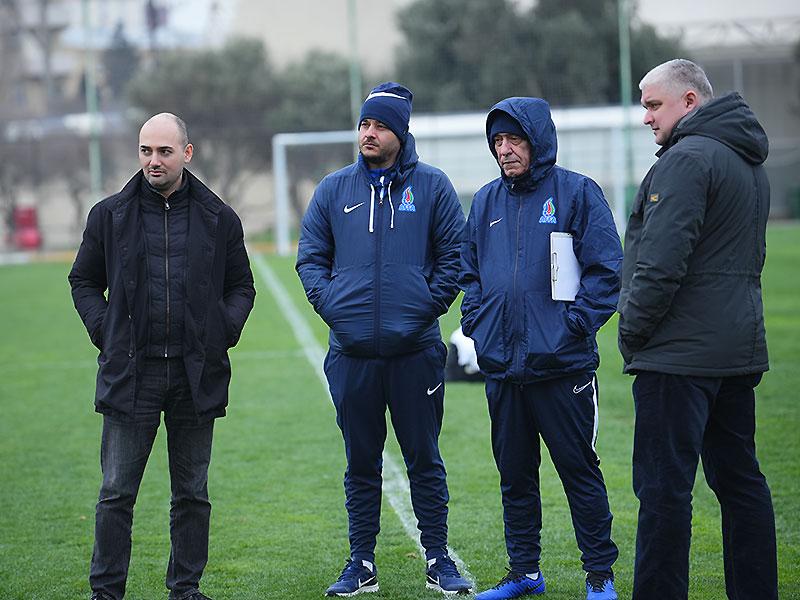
x=389, y=103
x=502, y=122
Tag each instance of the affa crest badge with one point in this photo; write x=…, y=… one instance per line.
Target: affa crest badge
x=407, y=203
x=548, y=212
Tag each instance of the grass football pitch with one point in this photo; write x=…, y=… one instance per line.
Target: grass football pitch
x=279, y=528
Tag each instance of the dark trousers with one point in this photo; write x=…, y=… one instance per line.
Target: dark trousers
x=412, y=387
x=564, y=412
x=678, y=420
x=124, y=451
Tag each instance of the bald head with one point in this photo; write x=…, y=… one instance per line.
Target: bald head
x=164, y=149
x=165, y=119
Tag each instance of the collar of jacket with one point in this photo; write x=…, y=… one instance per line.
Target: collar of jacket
x=195, y=189
x=179, y=196
x=519, y=185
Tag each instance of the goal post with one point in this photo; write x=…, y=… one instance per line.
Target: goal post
x=591, y=141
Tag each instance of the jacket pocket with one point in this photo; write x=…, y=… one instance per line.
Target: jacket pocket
x=549, y=343
x=324, y=300
x=347, y=307
x=407, y=308
x=489, y=332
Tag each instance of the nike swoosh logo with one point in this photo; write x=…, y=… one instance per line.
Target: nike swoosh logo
x=578, y=390
x=495, y=222
x=348, y=209
x=430, y=391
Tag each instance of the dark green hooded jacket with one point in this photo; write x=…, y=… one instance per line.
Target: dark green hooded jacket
x=695, y=245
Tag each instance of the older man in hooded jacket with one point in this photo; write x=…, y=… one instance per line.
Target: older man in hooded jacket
x=538, y=354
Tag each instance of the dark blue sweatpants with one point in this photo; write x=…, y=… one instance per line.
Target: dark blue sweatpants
x=679, y=419
x=412, y=387
x=564, y=412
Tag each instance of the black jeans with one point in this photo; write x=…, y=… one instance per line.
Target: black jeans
x=124, y=451
x=678, y=420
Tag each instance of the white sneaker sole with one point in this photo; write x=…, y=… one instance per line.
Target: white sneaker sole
x=366, y=588
x=434, y=586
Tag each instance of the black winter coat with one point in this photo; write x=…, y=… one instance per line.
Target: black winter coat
x=219, y=296
x=694, y=250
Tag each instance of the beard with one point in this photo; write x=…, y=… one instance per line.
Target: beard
x=378, y=156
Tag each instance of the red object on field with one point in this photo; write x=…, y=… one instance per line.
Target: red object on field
x=26, y=228
x=25, y=216
x=27, y=238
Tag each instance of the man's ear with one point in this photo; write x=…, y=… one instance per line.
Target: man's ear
x=187, y=153
x=691, y=101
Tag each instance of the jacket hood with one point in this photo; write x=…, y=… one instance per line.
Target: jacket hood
x=533, y=114
x=729, y=120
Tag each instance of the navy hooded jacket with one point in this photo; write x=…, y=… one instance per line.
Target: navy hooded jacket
x=521, y=334
x=380, y=268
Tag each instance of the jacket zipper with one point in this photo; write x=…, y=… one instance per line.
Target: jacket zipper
x=378, y=237
x=166, y=271
x=515, y=341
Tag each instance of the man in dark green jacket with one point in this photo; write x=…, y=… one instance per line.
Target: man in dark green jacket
x=691, y=329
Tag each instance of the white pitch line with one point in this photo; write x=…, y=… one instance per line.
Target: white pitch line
x=395, y=483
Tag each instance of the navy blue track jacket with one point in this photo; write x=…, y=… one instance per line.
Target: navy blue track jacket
x=380, y=268
x=521, y=334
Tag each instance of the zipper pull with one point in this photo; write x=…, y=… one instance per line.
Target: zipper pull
x=166, y=204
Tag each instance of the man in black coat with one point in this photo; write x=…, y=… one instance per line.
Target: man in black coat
x=691, y=329
x=163, y=285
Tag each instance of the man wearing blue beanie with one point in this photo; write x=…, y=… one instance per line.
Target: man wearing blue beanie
x=536, y=349
x=378, y=257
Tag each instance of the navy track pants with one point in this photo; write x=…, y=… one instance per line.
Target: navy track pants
x=564, y=412
x=678, y=420
x=412, y=387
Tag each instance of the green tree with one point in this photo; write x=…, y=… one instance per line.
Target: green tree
x=225, y=96
x=314, y=95
x=463, y=54
x=233, y=102
x=467, y=54
x=120, y=62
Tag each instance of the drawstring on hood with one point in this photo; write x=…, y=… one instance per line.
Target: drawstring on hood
x=371, y=208
x=388, y=189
